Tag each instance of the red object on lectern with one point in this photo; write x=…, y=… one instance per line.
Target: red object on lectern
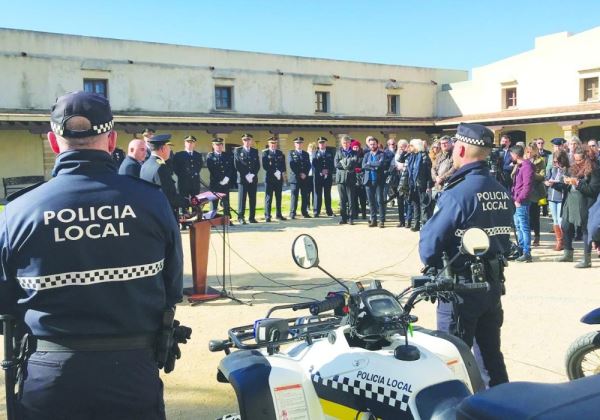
x=199, y=244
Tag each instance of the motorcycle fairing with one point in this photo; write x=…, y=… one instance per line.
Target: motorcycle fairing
x=592, y=317
x=361, y=396
x=248, y=372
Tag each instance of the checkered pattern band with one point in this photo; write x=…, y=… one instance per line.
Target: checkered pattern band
x=494, y=231
x=469, y=140
x=86, y=278
x=96, y=129
x=56, y=128
x=365, y=389
x=103, y=128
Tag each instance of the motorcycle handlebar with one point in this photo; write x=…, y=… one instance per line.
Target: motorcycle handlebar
x=333, y=302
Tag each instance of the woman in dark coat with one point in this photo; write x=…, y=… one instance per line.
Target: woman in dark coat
x=581, y=188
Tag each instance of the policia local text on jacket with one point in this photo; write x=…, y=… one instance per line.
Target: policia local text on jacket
x=90, y=261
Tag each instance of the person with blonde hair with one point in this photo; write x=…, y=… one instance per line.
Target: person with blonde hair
x=419, y=183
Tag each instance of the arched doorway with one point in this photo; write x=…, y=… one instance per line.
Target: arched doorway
x=516, y=136
x=589, y=133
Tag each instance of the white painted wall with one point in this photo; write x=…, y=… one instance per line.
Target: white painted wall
x=547, y=76
x=178, y=79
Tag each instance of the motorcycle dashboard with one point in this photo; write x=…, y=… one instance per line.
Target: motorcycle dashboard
x=382, y=305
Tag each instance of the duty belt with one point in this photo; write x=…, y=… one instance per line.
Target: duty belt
x=112, y=343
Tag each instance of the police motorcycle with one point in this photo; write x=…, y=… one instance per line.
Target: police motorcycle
x=583, y=356
x=365, y=360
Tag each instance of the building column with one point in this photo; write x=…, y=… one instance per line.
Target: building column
x=497, y=129
x=570, y=129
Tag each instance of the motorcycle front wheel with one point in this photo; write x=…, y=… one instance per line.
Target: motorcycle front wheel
x=583, y=357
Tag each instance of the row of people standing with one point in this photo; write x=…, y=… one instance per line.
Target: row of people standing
x=568, y=180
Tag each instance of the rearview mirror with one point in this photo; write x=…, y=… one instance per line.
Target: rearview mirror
x=475, y=242
x=305, y=252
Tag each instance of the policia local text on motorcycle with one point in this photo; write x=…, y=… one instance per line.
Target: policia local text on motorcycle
x=91, y=271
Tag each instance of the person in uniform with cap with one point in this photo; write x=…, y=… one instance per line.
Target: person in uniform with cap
x=346, y=163
x=222, y=174
x=299, y=162
x=147, y=134
x=89, y=263
x=273, y=163
x=187, y=165
x=473, y=198
x=156, y=170
x=132, y=164
x=323, y=178
x=247, y=165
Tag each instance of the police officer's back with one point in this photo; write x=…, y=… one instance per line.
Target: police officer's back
x=473, y=198
x=94, y=259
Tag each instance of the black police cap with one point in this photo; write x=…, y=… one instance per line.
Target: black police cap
x=475, y=134
x=217, y=140
x=190, y=138
x=558, y=141
x=272, y=139
x=95, y=108
x=322, y=140
x=160, y=140
x=247, y=136
x=299, y=139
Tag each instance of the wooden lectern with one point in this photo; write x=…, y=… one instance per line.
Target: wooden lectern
x=199, y=244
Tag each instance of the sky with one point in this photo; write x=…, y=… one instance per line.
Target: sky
x=457, y=34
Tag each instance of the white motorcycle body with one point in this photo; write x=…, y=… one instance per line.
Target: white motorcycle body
x=330, y=379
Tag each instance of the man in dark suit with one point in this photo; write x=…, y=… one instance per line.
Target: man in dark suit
x=247, y=165
x=346, y=162
x=156, y=170
x=299, y=162
x=222, y=174
x=374, y=166
x=323, y=177
x=187, y=165
x=273, y=163
x=132, y=164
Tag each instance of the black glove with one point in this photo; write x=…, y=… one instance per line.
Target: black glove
x=181, y=334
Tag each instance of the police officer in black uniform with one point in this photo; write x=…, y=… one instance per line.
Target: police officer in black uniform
x=473, y=198
x=156, y=170
x=222, y=173
x=89, y=262
x=299, y=162
x=273, y=163
x=323, y=177
x=247, y=164
x=187, y=165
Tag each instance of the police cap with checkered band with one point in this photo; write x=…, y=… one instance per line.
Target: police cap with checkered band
x=475, y=134
x=95, y=108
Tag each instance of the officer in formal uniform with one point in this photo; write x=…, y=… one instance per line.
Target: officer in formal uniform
x=89, y=262
x=187, y=165
x=222, y=174
x=147, y=134
x=156, y=170
x=473, y=198
x=247, y=165
x=323, y=178
x=273, y=163
x=346, y=163
x=132, y=164
x=299, y=162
